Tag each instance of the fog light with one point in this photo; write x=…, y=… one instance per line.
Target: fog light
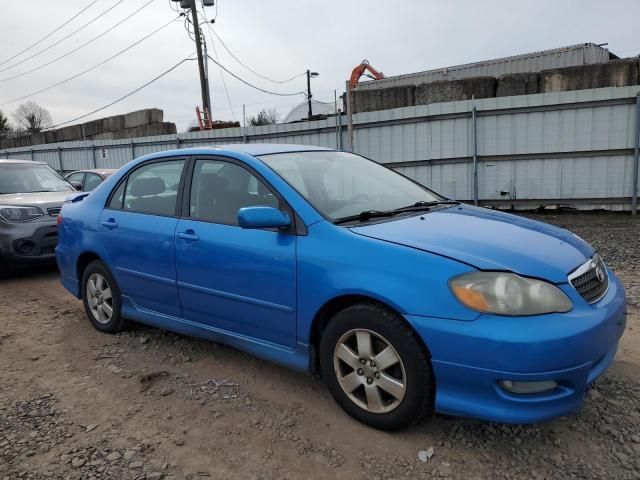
x=528, y=387
x=25, y=246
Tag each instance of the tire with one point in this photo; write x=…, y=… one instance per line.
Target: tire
x=103, y=309
x=404, y=370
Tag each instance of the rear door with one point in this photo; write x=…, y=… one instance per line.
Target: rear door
x=137, y=229
x=239, y=280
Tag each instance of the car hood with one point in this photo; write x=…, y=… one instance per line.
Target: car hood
x=488, y=240
x=38, y=199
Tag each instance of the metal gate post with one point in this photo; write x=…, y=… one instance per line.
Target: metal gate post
x=133, y=150
x=636, y=157
x=349, y=117
x=340, y=146
x=475, y=154
x=60, y=161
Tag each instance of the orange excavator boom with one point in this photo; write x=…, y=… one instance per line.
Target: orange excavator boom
x=361, y=70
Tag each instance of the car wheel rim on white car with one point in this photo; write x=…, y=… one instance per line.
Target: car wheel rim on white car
x=99, y=298
x=369, y=371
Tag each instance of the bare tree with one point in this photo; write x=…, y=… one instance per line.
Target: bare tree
x=31, y=117
x=5, y=128
x=264, y=117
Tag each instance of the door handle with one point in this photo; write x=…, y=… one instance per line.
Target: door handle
x=189, y=235
x=111, y=223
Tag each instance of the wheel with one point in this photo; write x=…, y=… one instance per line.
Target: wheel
x=376, y=368
x=101, y=298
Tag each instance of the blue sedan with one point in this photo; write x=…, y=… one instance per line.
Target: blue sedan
x=405, y=302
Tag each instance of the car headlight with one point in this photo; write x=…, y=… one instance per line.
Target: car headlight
x=10, y=213
x=504, y=293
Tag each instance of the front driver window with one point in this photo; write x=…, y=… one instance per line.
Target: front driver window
x=219, y=189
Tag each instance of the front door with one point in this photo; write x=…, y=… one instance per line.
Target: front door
x=238, y=280
x=138, y=230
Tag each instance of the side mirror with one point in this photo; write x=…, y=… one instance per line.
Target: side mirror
x=76, y=185
x=262, y=217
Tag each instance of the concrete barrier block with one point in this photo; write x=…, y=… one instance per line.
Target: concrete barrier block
x=166, y=128
x=37, y=138
x=104, y=136
x=112, y=124
x=454, y=90
x=517, y=84
x=616, y=73
x=92, y=128
x=72, y=132
x=155, y=115
x=136, y=119
x=52, y=136
x=383, y=99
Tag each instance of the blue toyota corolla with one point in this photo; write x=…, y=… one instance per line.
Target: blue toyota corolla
x=403, y=301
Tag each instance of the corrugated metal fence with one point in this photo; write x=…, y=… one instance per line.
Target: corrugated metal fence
x=567, y=148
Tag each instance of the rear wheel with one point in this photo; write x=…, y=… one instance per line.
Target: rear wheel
x=375, y=367
x=101, y=298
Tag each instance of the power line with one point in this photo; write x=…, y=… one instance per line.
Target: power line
x=77, y=48
x=63, y=38
x=48, y=34
x=252, y=70
x=92, y=68
x=125, y=96
x=251, y=85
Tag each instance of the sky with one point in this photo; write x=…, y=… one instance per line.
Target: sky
x=278, y=39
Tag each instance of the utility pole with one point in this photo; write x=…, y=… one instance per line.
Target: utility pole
x=204, y=84
x=310, y=75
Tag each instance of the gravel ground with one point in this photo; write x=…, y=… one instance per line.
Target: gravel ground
x=75, y=403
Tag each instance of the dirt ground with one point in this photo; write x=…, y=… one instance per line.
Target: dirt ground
x=75, y=403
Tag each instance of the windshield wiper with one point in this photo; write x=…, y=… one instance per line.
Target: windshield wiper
x=364, y=216
x=416, y=207
x=423, y=205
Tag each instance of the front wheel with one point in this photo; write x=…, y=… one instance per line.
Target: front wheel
x=376, y=368
x=101, y=298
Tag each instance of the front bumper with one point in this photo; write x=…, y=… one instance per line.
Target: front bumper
x=28, y=243
x=470, y=358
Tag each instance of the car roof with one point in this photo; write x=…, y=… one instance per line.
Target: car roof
x=100, y=171
x=9, y=160
x=254, y=149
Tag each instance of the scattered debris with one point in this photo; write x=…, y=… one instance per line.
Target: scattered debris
x=425, y=455
x=148, y=379
x=224, y=389
x=90, y=427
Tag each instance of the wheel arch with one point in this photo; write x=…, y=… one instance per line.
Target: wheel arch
x=331, y=308
x=84, y=259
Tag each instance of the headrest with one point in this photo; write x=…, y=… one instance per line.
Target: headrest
x=213, y=183
x=262, y=189
x=145, y=186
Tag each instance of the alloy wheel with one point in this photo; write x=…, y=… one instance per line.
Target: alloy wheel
x=99, y=298
x=370, y=371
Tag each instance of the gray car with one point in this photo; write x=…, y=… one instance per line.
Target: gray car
x=31, y=195
x=87, y=180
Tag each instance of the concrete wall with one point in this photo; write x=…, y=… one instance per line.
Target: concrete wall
x=574, y=55
x=571, y=148
x=140, y=123
x=617, y=73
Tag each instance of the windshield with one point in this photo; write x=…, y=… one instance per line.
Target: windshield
x=30, y=178
x=341, y=184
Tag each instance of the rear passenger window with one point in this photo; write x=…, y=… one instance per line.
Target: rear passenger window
x=153, y=189
x=220, y=189
x=91, y=182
